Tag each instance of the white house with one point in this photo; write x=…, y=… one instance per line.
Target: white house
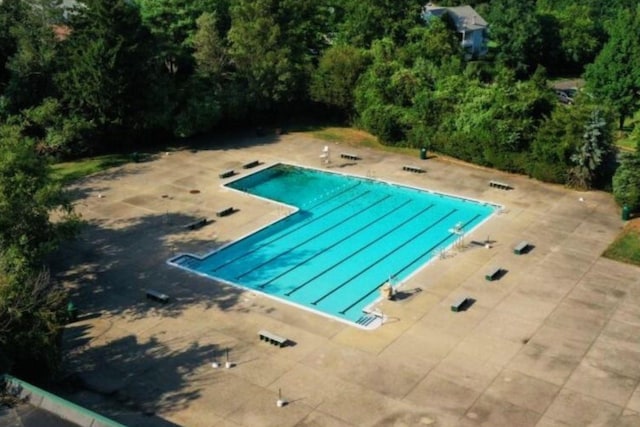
x=469, y=24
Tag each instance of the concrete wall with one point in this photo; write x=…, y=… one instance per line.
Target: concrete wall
x=56, y=405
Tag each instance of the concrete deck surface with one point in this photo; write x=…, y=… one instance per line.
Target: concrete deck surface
x=554, y=342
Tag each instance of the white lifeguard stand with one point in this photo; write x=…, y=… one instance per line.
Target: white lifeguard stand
x=325, y=156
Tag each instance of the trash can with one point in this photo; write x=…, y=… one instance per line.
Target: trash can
x=625, y=213
x=72, y=312
x=423, y=153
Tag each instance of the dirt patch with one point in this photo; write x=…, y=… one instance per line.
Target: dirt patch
x=633, y=224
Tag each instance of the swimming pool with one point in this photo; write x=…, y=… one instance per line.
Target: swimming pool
x=347, y=237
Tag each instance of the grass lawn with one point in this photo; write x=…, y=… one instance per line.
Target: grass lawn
x=346, y=135
x=626, y=247
x=622, y=137
x=70, y=171
x=355, y=137
x=623, y=140
x=626, y=144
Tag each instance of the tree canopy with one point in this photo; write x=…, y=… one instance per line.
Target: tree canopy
x=615, y=74
x=31, y=304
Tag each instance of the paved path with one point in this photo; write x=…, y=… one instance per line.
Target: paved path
x=554, y=342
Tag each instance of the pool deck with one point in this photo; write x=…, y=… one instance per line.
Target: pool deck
x=555, y=341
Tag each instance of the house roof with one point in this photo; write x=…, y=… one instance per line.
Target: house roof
x=464, y=17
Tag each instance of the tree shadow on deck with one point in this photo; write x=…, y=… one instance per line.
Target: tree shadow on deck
x=117, y=360
x=133, y=380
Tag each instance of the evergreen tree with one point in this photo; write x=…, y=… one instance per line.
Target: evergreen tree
x=173, y=24
x=110, y=77
x=12, y=13
x=210, y=50
x=593, y=153
x=201, y=94
x=32, y=26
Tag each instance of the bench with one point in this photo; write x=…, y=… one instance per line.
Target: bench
x=157, y=296
x=272, y=338
x=250, y=165
x=349, y=156
x=493, y=273
x=521, y=247
x=225, y=211
x=414, y=169
x=227, y=173
x=459, y=304
x=499, y=185
x=196, y=224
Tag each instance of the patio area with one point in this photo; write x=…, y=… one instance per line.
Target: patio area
x=554, y=341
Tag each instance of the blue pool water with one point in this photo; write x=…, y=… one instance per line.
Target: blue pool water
x=347, y=238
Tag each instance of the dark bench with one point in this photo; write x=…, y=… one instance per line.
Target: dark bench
x=414, y=169
x=349, y=156
x=157, y=296
x=225, y=211
x=272, y=338
x=227, y=173
x=197, y=224
x=250, y=165
x=521, y=247
x=460, y=304
x=499, y=185
x=493, y=273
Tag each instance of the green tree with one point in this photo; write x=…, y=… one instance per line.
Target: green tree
x=368, y=20
x=12, y=12
x=493, y=123
x=554, y=143
x=614, y=77
x=626, y=182
x=397, y=97
x=201, y=94
x=581, y=36
x=273, y=45
x=31, y=305
x=376, y=101
x=516, y=29
x=335, y=79
x=174, y=24
x=110, y=77
x=434, y=42
x=55, y=133
x=32, y=64
x=31, y=320
x=27, y=199
x=210, y=50
x=202, y=109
